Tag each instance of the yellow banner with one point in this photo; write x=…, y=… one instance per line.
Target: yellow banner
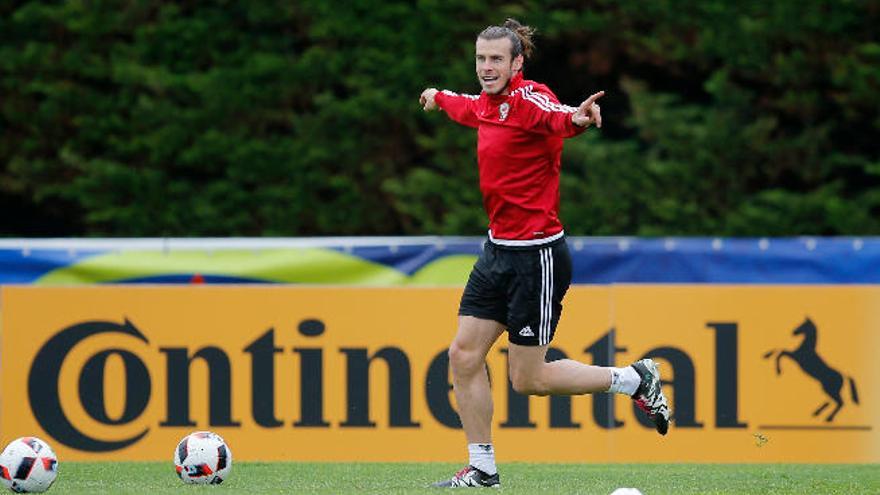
x=754, y=373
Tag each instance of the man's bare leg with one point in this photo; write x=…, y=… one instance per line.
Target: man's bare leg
x=641, y=380
x=531, y=375
x=470, y=379
x=467, y=359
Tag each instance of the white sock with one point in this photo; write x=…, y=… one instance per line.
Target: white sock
x=482, y=457
x=624, y=380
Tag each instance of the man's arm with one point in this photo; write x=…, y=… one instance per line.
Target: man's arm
x=460, y=108
x=544, y=114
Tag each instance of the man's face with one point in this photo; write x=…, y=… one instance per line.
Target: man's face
x=495, y=66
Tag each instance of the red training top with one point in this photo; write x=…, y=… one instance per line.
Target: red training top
x=519, y=147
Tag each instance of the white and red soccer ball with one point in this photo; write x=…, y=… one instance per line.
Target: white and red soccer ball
x=28, y=464
x=203, y=457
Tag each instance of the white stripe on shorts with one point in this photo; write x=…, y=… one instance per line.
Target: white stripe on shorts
x=546, y=296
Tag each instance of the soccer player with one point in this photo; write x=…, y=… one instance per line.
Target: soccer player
x=518, y=283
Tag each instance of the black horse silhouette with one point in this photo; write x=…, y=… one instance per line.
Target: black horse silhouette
x=810, y=362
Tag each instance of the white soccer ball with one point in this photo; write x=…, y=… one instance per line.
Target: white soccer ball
x=626, y=491
x=28, y=465
x=203, y=457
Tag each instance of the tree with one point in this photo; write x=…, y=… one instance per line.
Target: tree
x=140, y=118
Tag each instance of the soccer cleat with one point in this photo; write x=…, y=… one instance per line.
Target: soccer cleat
x=470, y=477
x=649, y=396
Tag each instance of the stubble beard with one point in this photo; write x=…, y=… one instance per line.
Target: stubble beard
x=500, y=88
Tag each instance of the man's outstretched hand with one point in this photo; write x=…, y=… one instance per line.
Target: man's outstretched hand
x=426, y=100
x=588, y=113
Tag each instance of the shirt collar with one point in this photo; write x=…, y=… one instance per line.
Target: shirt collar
x=515, y=82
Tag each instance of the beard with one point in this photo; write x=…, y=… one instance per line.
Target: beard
x=496, y=87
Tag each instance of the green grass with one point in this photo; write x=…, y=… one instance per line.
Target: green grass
x=652, y=479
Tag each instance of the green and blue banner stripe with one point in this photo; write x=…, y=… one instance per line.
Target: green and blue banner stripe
x=432, y=261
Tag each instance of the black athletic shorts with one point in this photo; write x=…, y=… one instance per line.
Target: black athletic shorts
x=521, y=288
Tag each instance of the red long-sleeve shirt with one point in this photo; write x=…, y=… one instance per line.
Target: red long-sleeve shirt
x=519, y=147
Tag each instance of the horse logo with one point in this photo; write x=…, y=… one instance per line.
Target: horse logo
x=813, y=365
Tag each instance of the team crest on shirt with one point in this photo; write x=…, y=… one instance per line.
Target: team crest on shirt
x=502, y=112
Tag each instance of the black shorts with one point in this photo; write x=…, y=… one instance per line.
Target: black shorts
x=521, y=288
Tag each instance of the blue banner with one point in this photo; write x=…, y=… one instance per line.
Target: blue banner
x=432, y=261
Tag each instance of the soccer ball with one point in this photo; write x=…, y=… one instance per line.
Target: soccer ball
x=203, y=457
x=626, y=491
x=28, y=464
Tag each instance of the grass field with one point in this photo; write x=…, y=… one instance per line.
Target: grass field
x=652, y=479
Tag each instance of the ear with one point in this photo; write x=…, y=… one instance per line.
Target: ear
x=517, y=63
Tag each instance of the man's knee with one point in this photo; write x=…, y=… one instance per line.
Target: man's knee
x=463, y=360
x=527, y=383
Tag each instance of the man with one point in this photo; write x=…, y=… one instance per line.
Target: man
x=518, y=283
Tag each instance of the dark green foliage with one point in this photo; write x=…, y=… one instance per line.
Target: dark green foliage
x=216, y=118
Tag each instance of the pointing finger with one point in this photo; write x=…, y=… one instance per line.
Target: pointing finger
x=594, y=97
